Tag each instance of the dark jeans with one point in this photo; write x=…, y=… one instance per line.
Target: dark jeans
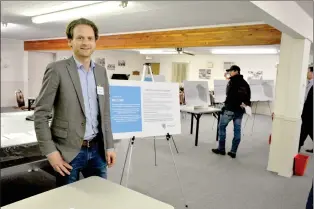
x=225, y=117
x=306, y=130
x=89, y=162
x=309, y=204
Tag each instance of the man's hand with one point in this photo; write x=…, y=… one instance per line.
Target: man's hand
x=58, y=164
x=111, y=158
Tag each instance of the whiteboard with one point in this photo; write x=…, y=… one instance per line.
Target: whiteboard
x=220, y=87
x=262, y=90
x=196, y=93
x=144, y=109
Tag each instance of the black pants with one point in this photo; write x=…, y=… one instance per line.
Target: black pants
x=309, y=204
x=306, y=130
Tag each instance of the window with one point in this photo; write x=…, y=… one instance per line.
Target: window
x=179, y=72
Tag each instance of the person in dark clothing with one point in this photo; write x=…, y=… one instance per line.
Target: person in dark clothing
x=309, y=204
x=307, y=113
x=238, y=96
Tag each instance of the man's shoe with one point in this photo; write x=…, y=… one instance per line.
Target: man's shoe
x=309, y=150
x=219, y=152
x=231, y=154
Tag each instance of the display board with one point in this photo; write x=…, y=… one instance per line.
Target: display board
x=144, y=109
x=262, y=90
x=196, y=93
x=220, y=87
x=157, y=78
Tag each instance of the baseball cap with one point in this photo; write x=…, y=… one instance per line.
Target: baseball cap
x=234, y=68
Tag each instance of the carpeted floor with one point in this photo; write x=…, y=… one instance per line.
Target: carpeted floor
x=208, y=181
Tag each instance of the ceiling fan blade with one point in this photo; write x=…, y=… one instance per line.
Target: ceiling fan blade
x=188, y=53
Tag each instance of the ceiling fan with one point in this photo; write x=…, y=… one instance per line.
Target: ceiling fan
x=181, y=51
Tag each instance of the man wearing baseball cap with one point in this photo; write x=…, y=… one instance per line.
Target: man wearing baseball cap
x=238, y=94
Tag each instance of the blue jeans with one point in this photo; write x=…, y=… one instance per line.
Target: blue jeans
x=225, y=117
x=89, y=162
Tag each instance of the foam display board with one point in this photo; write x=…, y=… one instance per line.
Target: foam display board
x=220, y=87
x=157, y=78
x=196, y=93
x=262, y=90
x=140, y=109
x=144, y=109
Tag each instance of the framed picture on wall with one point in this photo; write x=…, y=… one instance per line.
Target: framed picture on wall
x=204, y=73
x=255, y=75
x=101, y=61
x=121, y=63
x=227, y=65
x=111, y=67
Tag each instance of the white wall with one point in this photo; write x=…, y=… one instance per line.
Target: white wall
x=13, y=70
x=37, y=63
x=265, y=63
x=133, y=61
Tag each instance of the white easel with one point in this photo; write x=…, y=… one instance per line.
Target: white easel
x=254, y=114
x=147, y=67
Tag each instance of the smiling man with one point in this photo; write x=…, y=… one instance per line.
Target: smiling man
x=77, y=89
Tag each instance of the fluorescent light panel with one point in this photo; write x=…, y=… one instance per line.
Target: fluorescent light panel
x=245, y=51
x=85, y=11
x=58, y=6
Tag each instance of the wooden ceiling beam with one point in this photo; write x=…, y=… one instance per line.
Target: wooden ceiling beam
x=245, y=35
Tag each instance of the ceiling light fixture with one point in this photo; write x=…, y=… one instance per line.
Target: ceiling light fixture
x=158, y=51
x=57, y=6
x=84, y=11
x=245, y=51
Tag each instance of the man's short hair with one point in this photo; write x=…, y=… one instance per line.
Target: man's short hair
x=234, y=68
x=81, y=21
x=311, y=69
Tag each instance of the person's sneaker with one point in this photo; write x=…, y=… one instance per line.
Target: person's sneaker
x=219, y=152
x=309, y=150
x=231, y=154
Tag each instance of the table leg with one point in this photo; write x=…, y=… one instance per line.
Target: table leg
x=198, y=116
x=217, y=131
x=192, y=118
x=29, y=105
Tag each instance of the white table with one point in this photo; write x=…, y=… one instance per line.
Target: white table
x=16, y=130
x=90, y=193
x=197, y=113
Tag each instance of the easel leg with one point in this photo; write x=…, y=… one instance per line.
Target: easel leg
x=130, y=149
x=175, y=166
x=129, y=165
x=126, y=157
x=269, y=108
x=174, y=144
x=213, y=121
x=254, y=118
x=155, y=151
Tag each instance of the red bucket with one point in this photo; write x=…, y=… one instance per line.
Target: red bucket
x=300, y=164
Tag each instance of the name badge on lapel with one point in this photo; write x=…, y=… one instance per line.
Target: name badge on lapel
x=100, y=90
